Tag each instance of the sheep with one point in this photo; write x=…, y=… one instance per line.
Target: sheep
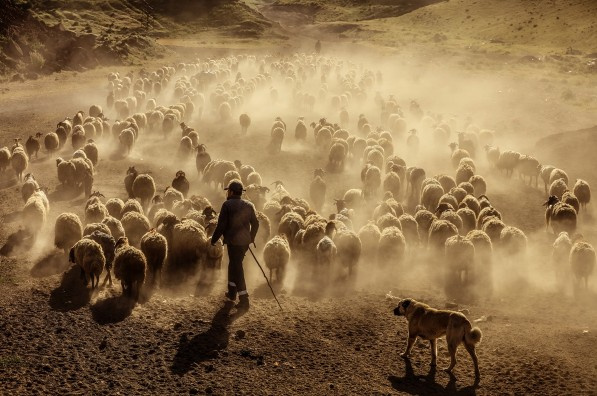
x=108, y=243
x=447, y=182
x=372, y=182
x=369, y=235
x=131, y=205
x=253, y=178
x=78, y=137
x=171, y=196
x=67, y=231
x=439, y=231
x=19, y=161
x=392, y=182
x=561, y=251
x=88, y=255
x=561, y=216
x=507, y=161
x=424, y=219
x=464, y=173
x=92, y=227
x=451, y=216
x=135, y=226
x=431, y=195
x=29, y=186
x=155, y=247
x=129, y=179
x=469, y=219
x=202, y=159
x=326, y=250
x=129, y=268
x=391, y=246
x=582, y=191
x=276, y=139
x=410, y=229
x=483, y=251
x=582, y=261
x=558, y=174
x=115, y=206
x=528, y=166
x=493, y=227
x=457, y=154
x=32, y=145
x=459, y=253
x=263, y=234
x=91, y=151
x=35, y=212
x=479, y=184
x=127, y=140
x=4, y=158
x=558, y=187
x=290, y=224
x=300, y=131
x=415, y=179
x=115, y=226
x=245, y=122
x=317, y=189
x=348, y=245
x=276, y=254
x=51, y=142
x=486, y=213
x=181, y=183
x=545, y=173
x=492, y=155
x=337, y=155
x=571, y=200
x=188, y=242
x=513, y=241
x=144, y=189
x=95, y=213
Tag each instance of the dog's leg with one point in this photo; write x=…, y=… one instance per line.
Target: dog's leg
x=433, y=343
x=409, y=345
x=452, y=348
x=471, y=350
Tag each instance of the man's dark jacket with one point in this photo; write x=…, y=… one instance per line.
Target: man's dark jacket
x=237, y=222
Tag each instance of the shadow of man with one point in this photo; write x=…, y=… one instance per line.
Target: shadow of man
x=414, y=384
x=206, y=345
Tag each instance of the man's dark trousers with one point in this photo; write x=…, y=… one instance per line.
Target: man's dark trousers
x=236, y=274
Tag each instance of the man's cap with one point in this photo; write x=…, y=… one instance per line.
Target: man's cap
x=235, y=186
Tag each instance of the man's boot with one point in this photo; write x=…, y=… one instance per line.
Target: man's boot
x=231, y=293
x=243, y=304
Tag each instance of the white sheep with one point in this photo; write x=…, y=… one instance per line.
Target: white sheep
x=459, y=253
x=29, y=186
x=68, y=229
x=276, y=254
x=582, y=261
x=155, y=247
x=35, y=213
x=348, y=245
x=135, y=226
x=144, y=189
x=582, y=190
x=19, y=161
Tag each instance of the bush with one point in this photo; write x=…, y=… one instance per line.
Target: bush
x=37, y=60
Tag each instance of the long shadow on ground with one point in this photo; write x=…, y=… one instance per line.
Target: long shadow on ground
x=426, y=385
x=112, y=309
x=72, y=293
x=206, y=345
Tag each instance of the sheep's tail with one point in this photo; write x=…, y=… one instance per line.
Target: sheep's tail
x=473, y=334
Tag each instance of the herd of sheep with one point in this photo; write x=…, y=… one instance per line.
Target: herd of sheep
x=398, y=213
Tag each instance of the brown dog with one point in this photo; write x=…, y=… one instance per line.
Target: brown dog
x=430, y=324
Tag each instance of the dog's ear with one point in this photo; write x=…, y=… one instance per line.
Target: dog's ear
x=405, y=304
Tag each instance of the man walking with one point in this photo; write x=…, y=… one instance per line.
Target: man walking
x=238, y=224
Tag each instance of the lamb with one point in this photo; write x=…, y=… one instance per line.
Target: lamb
x=29, y=186
x=181, y=183
x=459, y=253
x=88, y=255
x=558, y=188
x=129, y=268
x=91, y=151
x=108, y=243
x=276, y=255
x=67, y=231
x=245, y=122
x=582, y=261
x=19, y=161
x=561, y=216
x=582, y=191
x=144, y=189
x=513, y=241
x=35, y=212
x=155, y=248
x=32, y=145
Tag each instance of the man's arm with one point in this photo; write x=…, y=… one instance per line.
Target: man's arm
x=254, y=225
x=222, y=224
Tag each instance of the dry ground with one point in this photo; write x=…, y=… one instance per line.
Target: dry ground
x=538, y=335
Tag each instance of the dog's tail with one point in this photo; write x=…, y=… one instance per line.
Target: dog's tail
x=473, y=334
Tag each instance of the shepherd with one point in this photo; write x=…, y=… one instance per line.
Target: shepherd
x=238, y=224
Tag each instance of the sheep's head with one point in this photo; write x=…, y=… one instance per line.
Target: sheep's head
x=132, y=170
x=340, y=204
x=59, y=161
x=552, y=200
x=278, y=183
x=29, y=176
x=122, y=241
x=180, y=174
x=170, y=221
x=453, y=146
x=263, y=189
x=318, y=172
x=97, y=194
x=209, y=212
x=413, y=131
x=480, y=197
x=238, y=164
x=157, y=199
x=387, y=195
x=443, y=207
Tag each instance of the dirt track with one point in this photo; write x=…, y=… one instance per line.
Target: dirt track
x=536, y=339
